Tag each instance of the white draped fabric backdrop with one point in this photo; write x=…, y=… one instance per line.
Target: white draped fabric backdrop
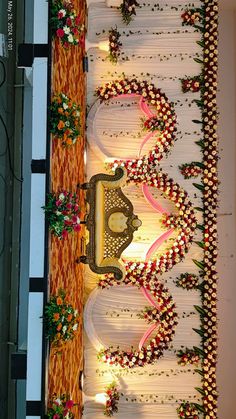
x=158, y=48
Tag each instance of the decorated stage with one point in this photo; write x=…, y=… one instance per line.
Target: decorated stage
x=140, y=315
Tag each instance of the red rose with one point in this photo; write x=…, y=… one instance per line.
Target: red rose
x=69, y=404
x=60, y=33
x=60, y=15
x=68, y=21
x=77, y=20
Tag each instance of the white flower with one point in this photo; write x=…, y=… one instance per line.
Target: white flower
x=62, y=196
x=70, y=39
x=65, y=106
x=58, y=213
x=62, y=12
x=75, y=327
x=64, y=329
x=66, y=29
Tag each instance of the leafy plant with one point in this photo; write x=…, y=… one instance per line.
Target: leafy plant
x=64, y=119
x=60, y=407
x=61, y=319
x=65, y=23
x=62, y=211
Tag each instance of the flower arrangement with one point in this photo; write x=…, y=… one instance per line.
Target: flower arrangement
x=62, y=211
x=154, y=124
x=114, y=45
x=166, y=114
x=187, y=281
x=191, y=17
x=191, y=84
x=64, y=119
x=113, y=397
x=61, y=319
x=65, y=23
x=190, y=170
x=128, y=10
x=188, y=410
x=60, y=407
x=167, y=319
x=188, y=357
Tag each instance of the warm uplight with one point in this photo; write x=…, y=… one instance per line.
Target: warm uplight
x=101, y=398
x=104, y=45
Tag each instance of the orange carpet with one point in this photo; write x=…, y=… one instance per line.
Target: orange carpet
x=67, y=169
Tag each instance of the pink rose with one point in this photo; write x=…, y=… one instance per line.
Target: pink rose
x=77, y=227
x=60, y=33
x=56, y=416
x=58, y=202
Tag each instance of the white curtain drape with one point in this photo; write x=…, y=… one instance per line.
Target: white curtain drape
x=158, y=48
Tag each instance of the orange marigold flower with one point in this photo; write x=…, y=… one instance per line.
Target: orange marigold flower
x=59, y=301
x=56, y=316
x=69, y=141
x=59, y=327
x=60, y=125
x=70, y=104
x=60, y=110
x=66, y=113
x=69, y=317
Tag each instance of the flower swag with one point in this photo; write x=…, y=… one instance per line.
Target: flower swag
x=164, y=319
x=152, y=96
x=191, y=170
x=64, y=119
x=63, y=213
x=128, y=10
x=65, y=23
x=188, y=357
x=191, y=84
x=114, y=45
x=187, y=281
x=60, y=318
x=113, y=397
x=187, y=410
x=60, y=407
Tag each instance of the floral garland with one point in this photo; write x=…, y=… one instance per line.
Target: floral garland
x=63, y=213
x=209, y=188
x=128, y=10
x=188, y=410
x=191, y=170
x=114, y=45
x=142, y=174
x=64, y=119
x=155, y=97
x=61, y=319
x=65, y=23
x=113, y=397
x=191, y=84
x=210, y=180
x=167, y=321
x=187, y=281
x=188, y=357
